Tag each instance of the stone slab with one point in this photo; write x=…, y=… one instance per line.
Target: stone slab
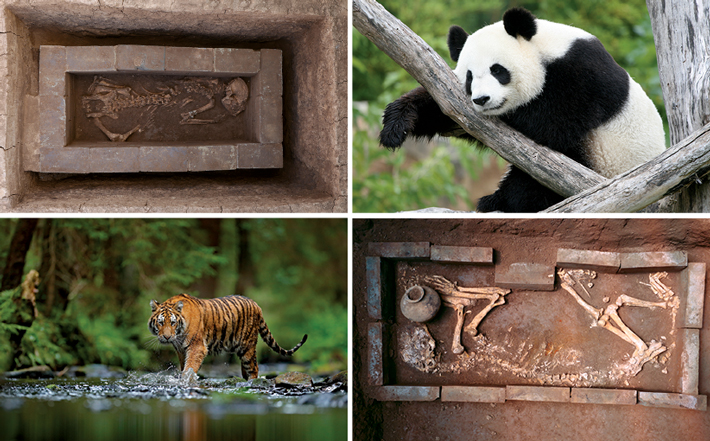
x=242, y=61
x=600, y=261
x=123, y=160
x=373, y=275
x=692, y=296
x=52, y=68
x=602, y=396
x=140, y=57
x=270, y=118
x=164, y=159
x=524, y=275
x=405, y=393
x=66, y=162
x=538, y=393
x=213, y=157
x=481, y=255
x=271, y=82
x=91, y=58
x=675, y=401
x=690, y=361
x=402, y=250
x=653, y=261
x=260, y=155
x=189, y=59
x=473, y=394
x=375, y=369
x=52, y=123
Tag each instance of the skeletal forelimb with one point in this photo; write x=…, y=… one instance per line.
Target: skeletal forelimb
x=459, y=298
x=608, y=318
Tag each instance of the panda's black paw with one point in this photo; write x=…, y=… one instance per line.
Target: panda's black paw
x=490, y=203
x=398, y=121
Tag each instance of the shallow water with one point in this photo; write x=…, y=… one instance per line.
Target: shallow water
x=160, y=407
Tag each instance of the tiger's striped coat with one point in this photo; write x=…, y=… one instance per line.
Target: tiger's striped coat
x=196, y=327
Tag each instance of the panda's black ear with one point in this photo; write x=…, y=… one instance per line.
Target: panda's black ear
x=456, y=40
x=520, y=21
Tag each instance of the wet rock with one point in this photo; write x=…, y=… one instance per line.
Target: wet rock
x=293, y=379
x=340, y=377
x=33, y=372
x=261, y=383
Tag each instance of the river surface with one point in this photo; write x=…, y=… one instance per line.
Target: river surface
x=158, y=407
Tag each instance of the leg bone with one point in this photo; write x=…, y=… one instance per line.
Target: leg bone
x=594, y=312
x=473, y=326
x=456, y=347
x=631, y=301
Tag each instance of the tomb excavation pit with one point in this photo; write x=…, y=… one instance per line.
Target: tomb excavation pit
x=133, y=108
x=532, y=331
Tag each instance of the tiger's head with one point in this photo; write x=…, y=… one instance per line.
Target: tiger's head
x=167, y=321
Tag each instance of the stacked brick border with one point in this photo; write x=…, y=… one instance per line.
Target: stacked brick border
x=50, y=153
x=689, y=323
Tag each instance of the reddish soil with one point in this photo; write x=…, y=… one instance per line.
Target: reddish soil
x=528, y=240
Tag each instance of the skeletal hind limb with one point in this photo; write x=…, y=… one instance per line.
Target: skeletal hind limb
x=459, y=297
x=609, y=318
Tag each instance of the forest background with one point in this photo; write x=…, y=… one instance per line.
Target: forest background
x=449, y=172
x=99, y=275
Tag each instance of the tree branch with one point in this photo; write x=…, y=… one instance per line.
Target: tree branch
x=684, y=163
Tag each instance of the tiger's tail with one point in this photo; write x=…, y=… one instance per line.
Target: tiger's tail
x=269, y=340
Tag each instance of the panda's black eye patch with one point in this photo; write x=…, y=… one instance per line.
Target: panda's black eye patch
x=500, y=73
x=469, y=80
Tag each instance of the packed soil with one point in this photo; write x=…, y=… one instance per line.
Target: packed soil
x=551, y=322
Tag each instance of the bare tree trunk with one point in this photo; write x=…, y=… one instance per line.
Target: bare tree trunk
x=681, y=30
x=245, y=264
x=20, y=244
x=207, y=284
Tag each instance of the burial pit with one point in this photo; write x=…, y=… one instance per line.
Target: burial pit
x=135, y=108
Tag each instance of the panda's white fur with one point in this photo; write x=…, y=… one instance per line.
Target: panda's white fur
x=555, y=84
x=632, y=137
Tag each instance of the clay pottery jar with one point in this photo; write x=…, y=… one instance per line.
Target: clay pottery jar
x=420, y=303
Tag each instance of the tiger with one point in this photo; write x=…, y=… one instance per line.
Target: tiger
x=196, y=327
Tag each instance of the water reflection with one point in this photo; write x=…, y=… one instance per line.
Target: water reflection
x=136, y=409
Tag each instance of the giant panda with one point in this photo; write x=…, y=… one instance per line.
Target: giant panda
x=554, y=83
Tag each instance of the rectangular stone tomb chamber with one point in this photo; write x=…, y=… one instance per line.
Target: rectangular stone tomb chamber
x=133, y=108
x=581, y=331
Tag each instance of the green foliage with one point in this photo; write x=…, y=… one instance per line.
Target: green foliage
x=104, y=272
x=50, y=342
x=302, y=288
x=387, y=182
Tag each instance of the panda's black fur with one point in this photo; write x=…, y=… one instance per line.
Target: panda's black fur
x=582, y=90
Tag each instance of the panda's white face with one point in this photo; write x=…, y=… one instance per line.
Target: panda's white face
x=501, y=73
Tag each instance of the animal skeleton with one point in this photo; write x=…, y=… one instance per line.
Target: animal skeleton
x=113, y=98
x=459, y=298
x=608, y=318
